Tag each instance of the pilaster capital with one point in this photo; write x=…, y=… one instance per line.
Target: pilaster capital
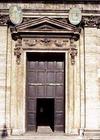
x=4, y=19
x=91, y=21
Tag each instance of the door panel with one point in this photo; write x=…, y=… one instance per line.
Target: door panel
x=59, y=114
x=41, y=77
x=31, y=117
x=32, y=76
x=45, y=80
x=50, y=91
x=50, y=65
x=41, y=65
x=31, y=114
x=59, y=77
x=40, y=91
x=31, y=90
x=50, y=77
x=59, y=90
x=59, y=104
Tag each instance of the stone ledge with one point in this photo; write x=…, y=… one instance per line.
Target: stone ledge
x=92, y=132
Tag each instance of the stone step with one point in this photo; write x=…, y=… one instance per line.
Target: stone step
x=43, y=138
x=46, y=129
x=47, y=137
x=91, y=132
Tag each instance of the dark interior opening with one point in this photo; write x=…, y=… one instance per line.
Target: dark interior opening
x=39, y=56
x=45, y=112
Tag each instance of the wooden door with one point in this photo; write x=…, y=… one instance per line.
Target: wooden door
x=45, y=79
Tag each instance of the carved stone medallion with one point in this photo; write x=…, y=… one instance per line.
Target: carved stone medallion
x=15, y=14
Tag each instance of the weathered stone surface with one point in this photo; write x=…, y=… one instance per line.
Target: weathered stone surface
x=92, y=89
x=82, y=80
x=3, y=46
x=48, y=6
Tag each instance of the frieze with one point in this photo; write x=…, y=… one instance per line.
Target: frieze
x=55, y=43
x=87, y=21
x=91, y=21
x=30, y=43
x=46, y=43
x=60, y=43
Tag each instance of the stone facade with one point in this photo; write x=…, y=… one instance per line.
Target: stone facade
x=82, y=80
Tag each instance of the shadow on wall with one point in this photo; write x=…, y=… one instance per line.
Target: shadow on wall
x=4, y=132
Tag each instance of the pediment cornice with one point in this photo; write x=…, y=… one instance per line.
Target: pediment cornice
x=33, y=23
x=46, y=25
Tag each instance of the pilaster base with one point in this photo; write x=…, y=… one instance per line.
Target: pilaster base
x=17, y=132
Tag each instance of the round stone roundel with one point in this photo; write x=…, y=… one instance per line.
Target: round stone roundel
x=75, y=16
x=15, y=14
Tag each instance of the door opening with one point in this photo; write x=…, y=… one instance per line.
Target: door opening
x=45, y=91
x=45, y=112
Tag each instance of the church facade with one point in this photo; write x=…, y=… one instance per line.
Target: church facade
x=50, y=68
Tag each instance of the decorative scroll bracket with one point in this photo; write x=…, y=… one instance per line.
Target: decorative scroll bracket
x=72, y=51
x=18, y=50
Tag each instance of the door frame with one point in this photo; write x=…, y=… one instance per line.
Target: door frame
x=65, y=86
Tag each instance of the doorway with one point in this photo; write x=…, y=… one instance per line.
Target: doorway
x=45, y=112
x=45, y=91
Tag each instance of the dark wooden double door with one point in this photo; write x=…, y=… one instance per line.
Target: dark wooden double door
x=45, y=91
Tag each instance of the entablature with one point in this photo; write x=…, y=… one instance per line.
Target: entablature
x=88, y=20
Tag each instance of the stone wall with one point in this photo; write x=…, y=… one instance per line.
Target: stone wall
x=92, y=82
x=3, y=73
x=48, y=6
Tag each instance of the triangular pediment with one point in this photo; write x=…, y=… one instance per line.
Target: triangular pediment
x=46, y=24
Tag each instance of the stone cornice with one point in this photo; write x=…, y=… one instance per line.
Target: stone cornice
x=54, y=1
x=87, y=20
x=50, y=12
x=45, y=26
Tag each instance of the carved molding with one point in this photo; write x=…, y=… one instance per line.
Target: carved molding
x=57, y=44
x=4, y=19
x=30, y=43
x=73, y=51
x=46, y=43
x=18, y=50
x=91, y=21
x=88, y=21
x=36, y=44
x=60, y=44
